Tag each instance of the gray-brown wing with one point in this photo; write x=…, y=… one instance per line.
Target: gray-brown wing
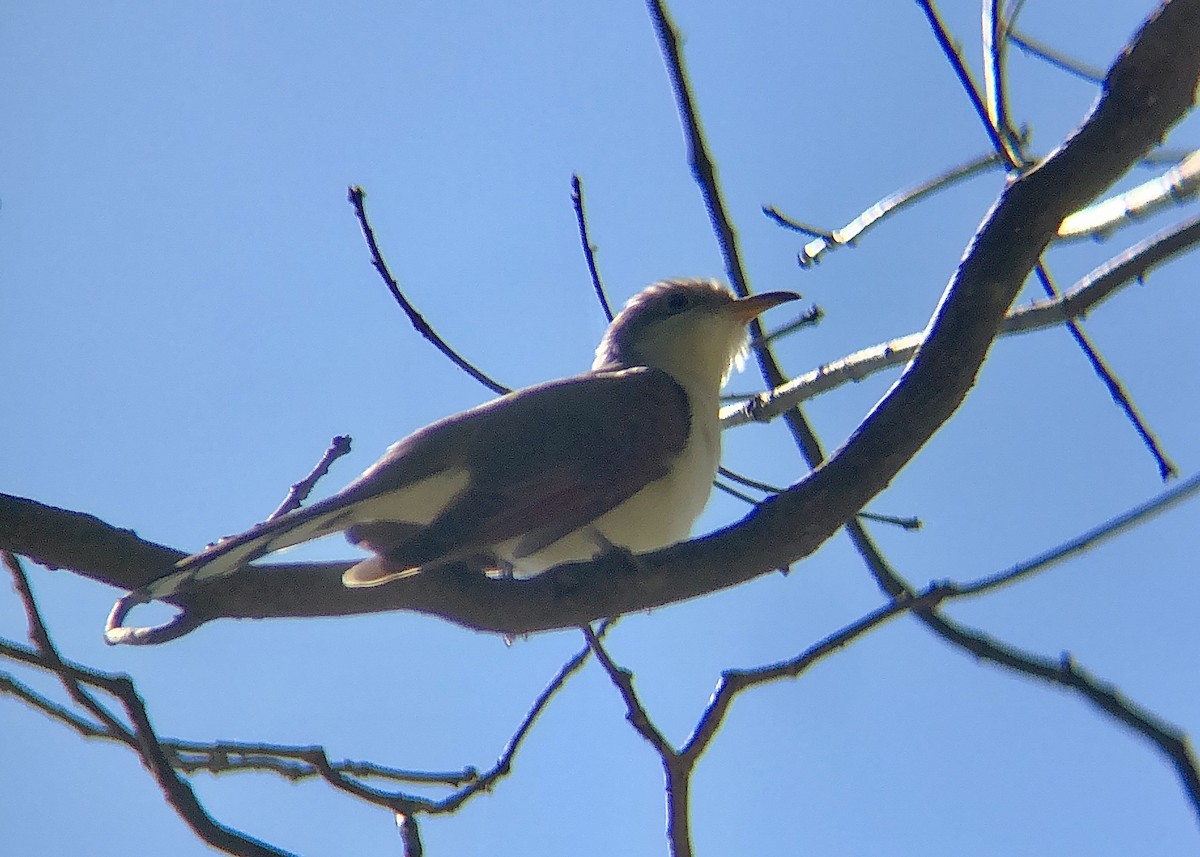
x=543, y=462
x=540, y=462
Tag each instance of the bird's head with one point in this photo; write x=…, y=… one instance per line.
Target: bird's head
x=693, y=329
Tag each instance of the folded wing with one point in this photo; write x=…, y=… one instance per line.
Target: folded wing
x=534, y=465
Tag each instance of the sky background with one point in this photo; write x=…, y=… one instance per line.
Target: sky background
x=188, y=315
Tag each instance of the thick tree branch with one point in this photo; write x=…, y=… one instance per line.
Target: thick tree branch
x=1149, y=88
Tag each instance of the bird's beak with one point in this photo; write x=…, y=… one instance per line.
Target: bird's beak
x=748, y=308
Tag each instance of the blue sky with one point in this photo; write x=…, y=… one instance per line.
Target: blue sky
x=188, y=314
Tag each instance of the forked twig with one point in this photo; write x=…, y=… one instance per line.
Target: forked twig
x=140, y=734
x=1130, y=266
x=849, y=234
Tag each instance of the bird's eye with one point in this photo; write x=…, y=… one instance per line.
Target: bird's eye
x=677, y=302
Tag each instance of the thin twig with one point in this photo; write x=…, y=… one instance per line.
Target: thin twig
x=143, y=737
x=1065, y=673
x=356, y=197
x=299, y=492
x=954, y=54
x=703, y=169
x=1132, y=265
x=908, y=522
x=735, y=681
x=705, y=175
x=398, y=802
x=471, y=782
x=1085, y=541
x=765, y=487
x=734, y=493
x=1166, y=469
x=795, y=225
x=1042, y=51
x=849, y=234
x=636, y=713
x=995, y=42
x=808, y=318
x=86, y=728
x=40, y=637
x=589, y=249
x=223, y=757
x=290, y=761
x=504, y=764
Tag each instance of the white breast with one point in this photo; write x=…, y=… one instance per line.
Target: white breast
x=659, y=515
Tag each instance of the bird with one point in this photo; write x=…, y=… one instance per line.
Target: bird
x=622, y=456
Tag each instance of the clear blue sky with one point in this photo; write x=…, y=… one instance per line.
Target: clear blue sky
x=187, y=315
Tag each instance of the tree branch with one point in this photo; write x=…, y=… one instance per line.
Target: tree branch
x=357, y=197
x=141, y=735
x=1149, y=88
x=1132, y=265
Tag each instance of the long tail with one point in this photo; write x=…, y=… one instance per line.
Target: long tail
x=231, y=554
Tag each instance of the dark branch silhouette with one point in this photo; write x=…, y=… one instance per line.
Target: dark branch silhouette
x=357, y=197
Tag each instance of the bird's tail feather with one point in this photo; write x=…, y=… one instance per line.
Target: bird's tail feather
x=231, y=554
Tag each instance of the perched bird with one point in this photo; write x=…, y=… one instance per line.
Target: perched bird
x=623, y=455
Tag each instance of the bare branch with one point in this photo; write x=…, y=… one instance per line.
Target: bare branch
x=995, y=44
x=1017, y=162
x=290, y=762
x=676, y=769
x=357, y=196
x=1116, y=389
x=1130, y=266
x=636, y=713
x=734, y=493
x=1086, y=541
x=1066, y=673
x=734, y=682
x=705, y=174
x=1042, y=51
x=907, y=522
x=40, y=638
x=795, y=225
x=954, y=54
x=1150, y=87
x=1178, y=184
x=589, y=249
x=86, y=728
x=504, y=764
x=299, y=492
x=142, y=736
x=849, y=234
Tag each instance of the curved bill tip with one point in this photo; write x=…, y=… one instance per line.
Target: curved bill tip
x=750, y=307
